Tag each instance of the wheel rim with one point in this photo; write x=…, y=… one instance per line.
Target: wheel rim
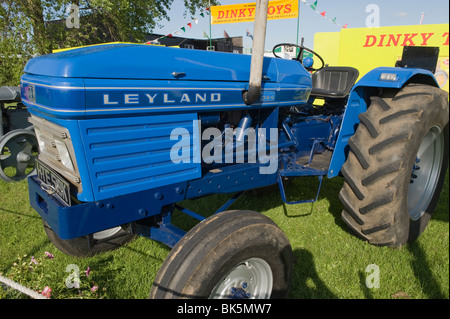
x=426, y=172
x=106, y=233
x=18, y=150
x=251, y=279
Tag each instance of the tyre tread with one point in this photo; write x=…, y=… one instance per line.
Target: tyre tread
x=376, y=172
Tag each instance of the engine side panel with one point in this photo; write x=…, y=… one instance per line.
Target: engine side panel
x=127, y=155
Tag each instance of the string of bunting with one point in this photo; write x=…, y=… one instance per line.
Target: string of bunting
x=323, y=14
x=195, y=20
x=177, y=32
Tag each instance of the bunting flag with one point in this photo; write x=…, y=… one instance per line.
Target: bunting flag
x=323, y=14
x=177, y=32
x=249, y=34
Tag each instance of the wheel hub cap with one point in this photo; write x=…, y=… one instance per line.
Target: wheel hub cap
x=425, y=173
x=250, y=279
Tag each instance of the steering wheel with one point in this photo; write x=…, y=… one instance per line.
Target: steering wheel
x=289, y=47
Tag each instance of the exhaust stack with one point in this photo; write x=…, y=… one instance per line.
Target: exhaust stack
x=259, y=39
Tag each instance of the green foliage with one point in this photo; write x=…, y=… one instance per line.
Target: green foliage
x=15, y=47
x=41, y=275
x=36, y=27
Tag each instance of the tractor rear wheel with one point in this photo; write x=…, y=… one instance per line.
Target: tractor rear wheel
x=396, y=166
x=230, y=255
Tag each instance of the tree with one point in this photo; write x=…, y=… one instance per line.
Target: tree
x=36, y=27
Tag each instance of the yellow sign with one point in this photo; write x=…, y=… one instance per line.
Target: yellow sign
x=368, y=48
x=245, y=12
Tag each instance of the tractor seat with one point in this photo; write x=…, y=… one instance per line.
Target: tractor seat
x=333, y=82
x=9, y=94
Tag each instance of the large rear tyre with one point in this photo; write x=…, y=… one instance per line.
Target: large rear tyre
x=396, y=166
x=230, y=255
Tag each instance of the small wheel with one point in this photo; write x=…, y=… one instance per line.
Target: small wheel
x=230, y=255
x=396, y=166
x=102, y=241
x=18, y=150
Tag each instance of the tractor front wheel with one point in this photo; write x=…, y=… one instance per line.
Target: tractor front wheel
x=93, y=244
x=230, y=255
x=396, y=166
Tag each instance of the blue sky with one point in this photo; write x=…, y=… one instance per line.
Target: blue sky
x=352, y=12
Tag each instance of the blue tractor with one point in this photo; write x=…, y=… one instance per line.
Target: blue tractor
x=127, y=132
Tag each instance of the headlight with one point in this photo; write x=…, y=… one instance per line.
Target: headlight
x=64, y=155
x=56, y=150
x=392, y=77
x=40, y=139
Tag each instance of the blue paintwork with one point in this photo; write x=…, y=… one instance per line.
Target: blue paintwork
x=131, y=154
x=143, y=62
x=90, y=98
x=119, y=79
x=91, y=217
x=230, y=179
x=372, y=78
x=54, y=96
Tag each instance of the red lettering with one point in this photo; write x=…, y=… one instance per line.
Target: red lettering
x=220, y=15
x=233, y=13
x=381, y=40
x=279, y=8
x=271, y=10
x=425, y=38
x=408, y=39
x=368, y=39
x=242, y=13
x=287, y=8
x=393, y=40
x=250, y=12
x=445, y=34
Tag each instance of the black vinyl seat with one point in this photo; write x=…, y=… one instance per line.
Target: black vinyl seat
x=333, y=82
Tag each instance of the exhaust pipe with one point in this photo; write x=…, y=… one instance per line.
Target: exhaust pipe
x=259, y=39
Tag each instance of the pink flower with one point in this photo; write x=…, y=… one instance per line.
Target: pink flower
x=94, y=288
x=46, y=292
x=49, y=255
x=33, y=260
x=88, y=271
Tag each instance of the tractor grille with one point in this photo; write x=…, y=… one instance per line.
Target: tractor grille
x=56, y=150
x=127, y=155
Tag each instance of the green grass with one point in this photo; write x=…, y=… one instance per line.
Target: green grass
x=330, y=261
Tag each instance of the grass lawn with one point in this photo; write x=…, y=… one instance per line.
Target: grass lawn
x=331, y=262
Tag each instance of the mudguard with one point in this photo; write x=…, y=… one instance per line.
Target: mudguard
x=358, y=100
